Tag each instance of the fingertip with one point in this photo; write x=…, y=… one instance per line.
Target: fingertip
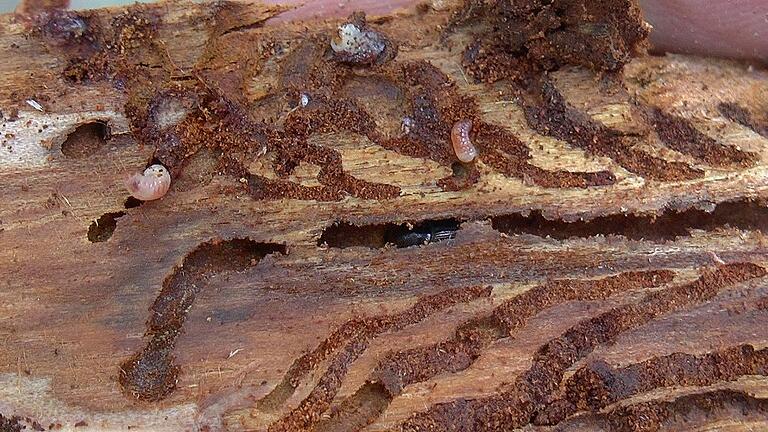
x=737, y=28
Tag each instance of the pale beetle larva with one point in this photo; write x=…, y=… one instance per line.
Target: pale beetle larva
x=462, y=145
x=151, y=185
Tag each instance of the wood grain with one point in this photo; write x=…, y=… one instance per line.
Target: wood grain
x=192, y=268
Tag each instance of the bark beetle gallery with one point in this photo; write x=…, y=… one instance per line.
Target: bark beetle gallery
x=478, y=215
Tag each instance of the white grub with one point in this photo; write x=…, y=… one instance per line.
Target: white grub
x=35, y=104
x=358, y=45
x=304, y=100
x=151, y=185
x=462, y=145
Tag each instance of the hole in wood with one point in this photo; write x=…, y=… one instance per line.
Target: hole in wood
x=102, y=228
x=132, y=202
x=376, y=236
x=746, y=215
x=85, y=140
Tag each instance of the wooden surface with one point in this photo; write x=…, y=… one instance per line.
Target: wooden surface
x=659, y=267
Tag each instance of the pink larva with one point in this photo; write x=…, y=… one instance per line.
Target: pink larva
x=462, y=145
x=151, y=185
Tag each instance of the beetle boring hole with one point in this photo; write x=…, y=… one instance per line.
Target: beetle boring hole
x=344, y=235
x=132, y=202
x=85, y=140
x=236, y=254
x=665, y=226
x=428, y=231
x=458, y=169
x=154, y=161
x=376, y=236
x=102, y=228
